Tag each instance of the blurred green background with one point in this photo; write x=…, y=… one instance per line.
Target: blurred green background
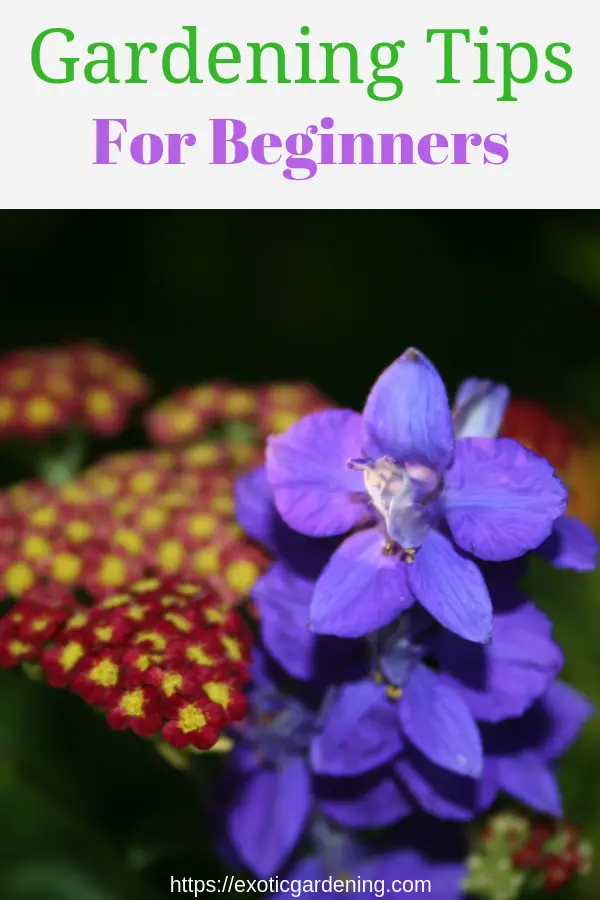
x=88, y=814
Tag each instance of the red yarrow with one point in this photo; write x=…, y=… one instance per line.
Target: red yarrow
x=161, y=657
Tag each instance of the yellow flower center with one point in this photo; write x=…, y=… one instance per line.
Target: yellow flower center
x=197, y=654
x=171, y=683
x=179, y=621
x=232, y=647
x=202, y=525
x=218, y=693
x=104, y=673
x=241, y=575
x=70, y=655
x=191, y=718
x=40, y=410
x=18, y=578
x=170, y=555
x=132, y=703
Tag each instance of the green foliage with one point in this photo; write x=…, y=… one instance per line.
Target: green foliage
x=87, y=813
x=573, y=603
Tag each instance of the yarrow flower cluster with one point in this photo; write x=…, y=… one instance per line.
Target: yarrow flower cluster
x=425, y=681
x=47, y=390
x=192, y=413
x=514, y=853
x=161, y=513
x=161, y=658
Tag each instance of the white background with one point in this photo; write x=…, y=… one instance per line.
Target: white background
x=47, y=142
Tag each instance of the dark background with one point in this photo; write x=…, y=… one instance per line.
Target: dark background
x=86, y=814
x=328, y=296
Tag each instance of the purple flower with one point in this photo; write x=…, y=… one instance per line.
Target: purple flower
x=425, y=728
x=437, y=710
x=272, y=799
x=414, y=852
x=397, y=475
x=284, y=597
x=520, y=753
x=519, y=757
x=273, y=789
x=478, y=412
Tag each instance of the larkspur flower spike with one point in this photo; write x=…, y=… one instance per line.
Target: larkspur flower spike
x=432, y=721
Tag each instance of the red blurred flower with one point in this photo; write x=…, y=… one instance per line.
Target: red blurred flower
x=535, y=427
x=191, y=413
x=556, y=853
x=49, y=389
x=130, y=515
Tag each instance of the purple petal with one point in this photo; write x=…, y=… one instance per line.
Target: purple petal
x=255, y=508
x=258, y=516
x=243, y=758
x=367, y=802
x=488, y=787
x=531, y=781
x=283, y=599
x=261, y=670
x=572, y=545
x=269, y=817
x=479, y=408
x=407, y=415
x=437, y=721
x=359, y=733
x=503, y=679
x=567, y=711
x=314, y=490
x=547, y=729
x=361, y=589
x=501, y=499
x=439, y=792
x=451, y=588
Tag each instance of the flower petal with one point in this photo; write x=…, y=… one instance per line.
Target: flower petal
x=479, y=408
x=567, y=711
x=314, y=490
x=283, y=599
x=531, y=781
x=367, y=802
x=502, y=679
x=361, y=589
x=501, y=500
x=258, y=516
x=269, y=816
x=439, y=792
x=359, y=732
x=451, y=588
x=547, y=729
x=437, y=721
x=572, y=545
x=255, y=507
x=407, y=415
